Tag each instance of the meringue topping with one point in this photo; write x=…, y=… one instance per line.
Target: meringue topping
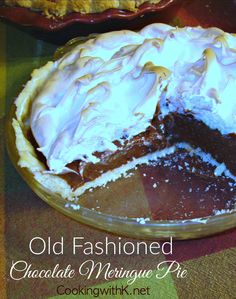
x=110, y=86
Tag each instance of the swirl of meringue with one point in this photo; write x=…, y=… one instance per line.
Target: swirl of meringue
x=110, y=86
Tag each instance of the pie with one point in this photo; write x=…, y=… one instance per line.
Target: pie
x=111, y=101
x=62, y=7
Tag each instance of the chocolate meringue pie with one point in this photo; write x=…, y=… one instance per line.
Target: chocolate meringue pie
x=109, y=102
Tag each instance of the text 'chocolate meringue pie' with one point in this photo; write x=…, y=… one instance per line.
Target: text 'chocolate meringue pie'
x=63, y=7
x=123, y=97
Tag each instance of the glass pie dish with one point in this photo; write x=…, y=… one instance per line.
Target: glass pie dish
x=27, y=17
x=176, y=195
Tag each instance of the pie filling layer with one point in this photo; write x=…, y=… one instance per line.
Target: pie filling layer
x=124, y=94
x=174, y=129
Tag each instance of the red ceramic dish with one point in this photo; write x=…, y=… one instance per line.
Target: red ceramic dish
x=26, y=17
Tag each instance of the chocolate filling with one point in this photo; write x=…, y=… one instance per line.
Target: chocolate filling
x=161, y=134
x=186, y=128
x=151, y=140
x=177, y=128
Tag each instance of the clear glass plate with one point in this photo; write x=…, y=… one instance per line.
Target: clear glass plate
x=163, y=199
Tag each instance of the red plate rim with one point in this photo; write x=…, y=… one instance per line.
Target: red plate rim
x=26, y=17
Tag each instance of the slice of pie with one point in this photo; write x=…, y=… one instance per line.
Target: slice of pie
x=85, y=118
x=62, y=7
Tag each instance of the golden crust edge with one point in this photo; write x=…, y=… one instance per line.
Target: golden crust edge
x=27, y=156
x=61, y=8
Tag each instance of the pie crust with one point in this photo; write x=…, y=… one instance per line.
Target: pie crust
x=60, y=8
